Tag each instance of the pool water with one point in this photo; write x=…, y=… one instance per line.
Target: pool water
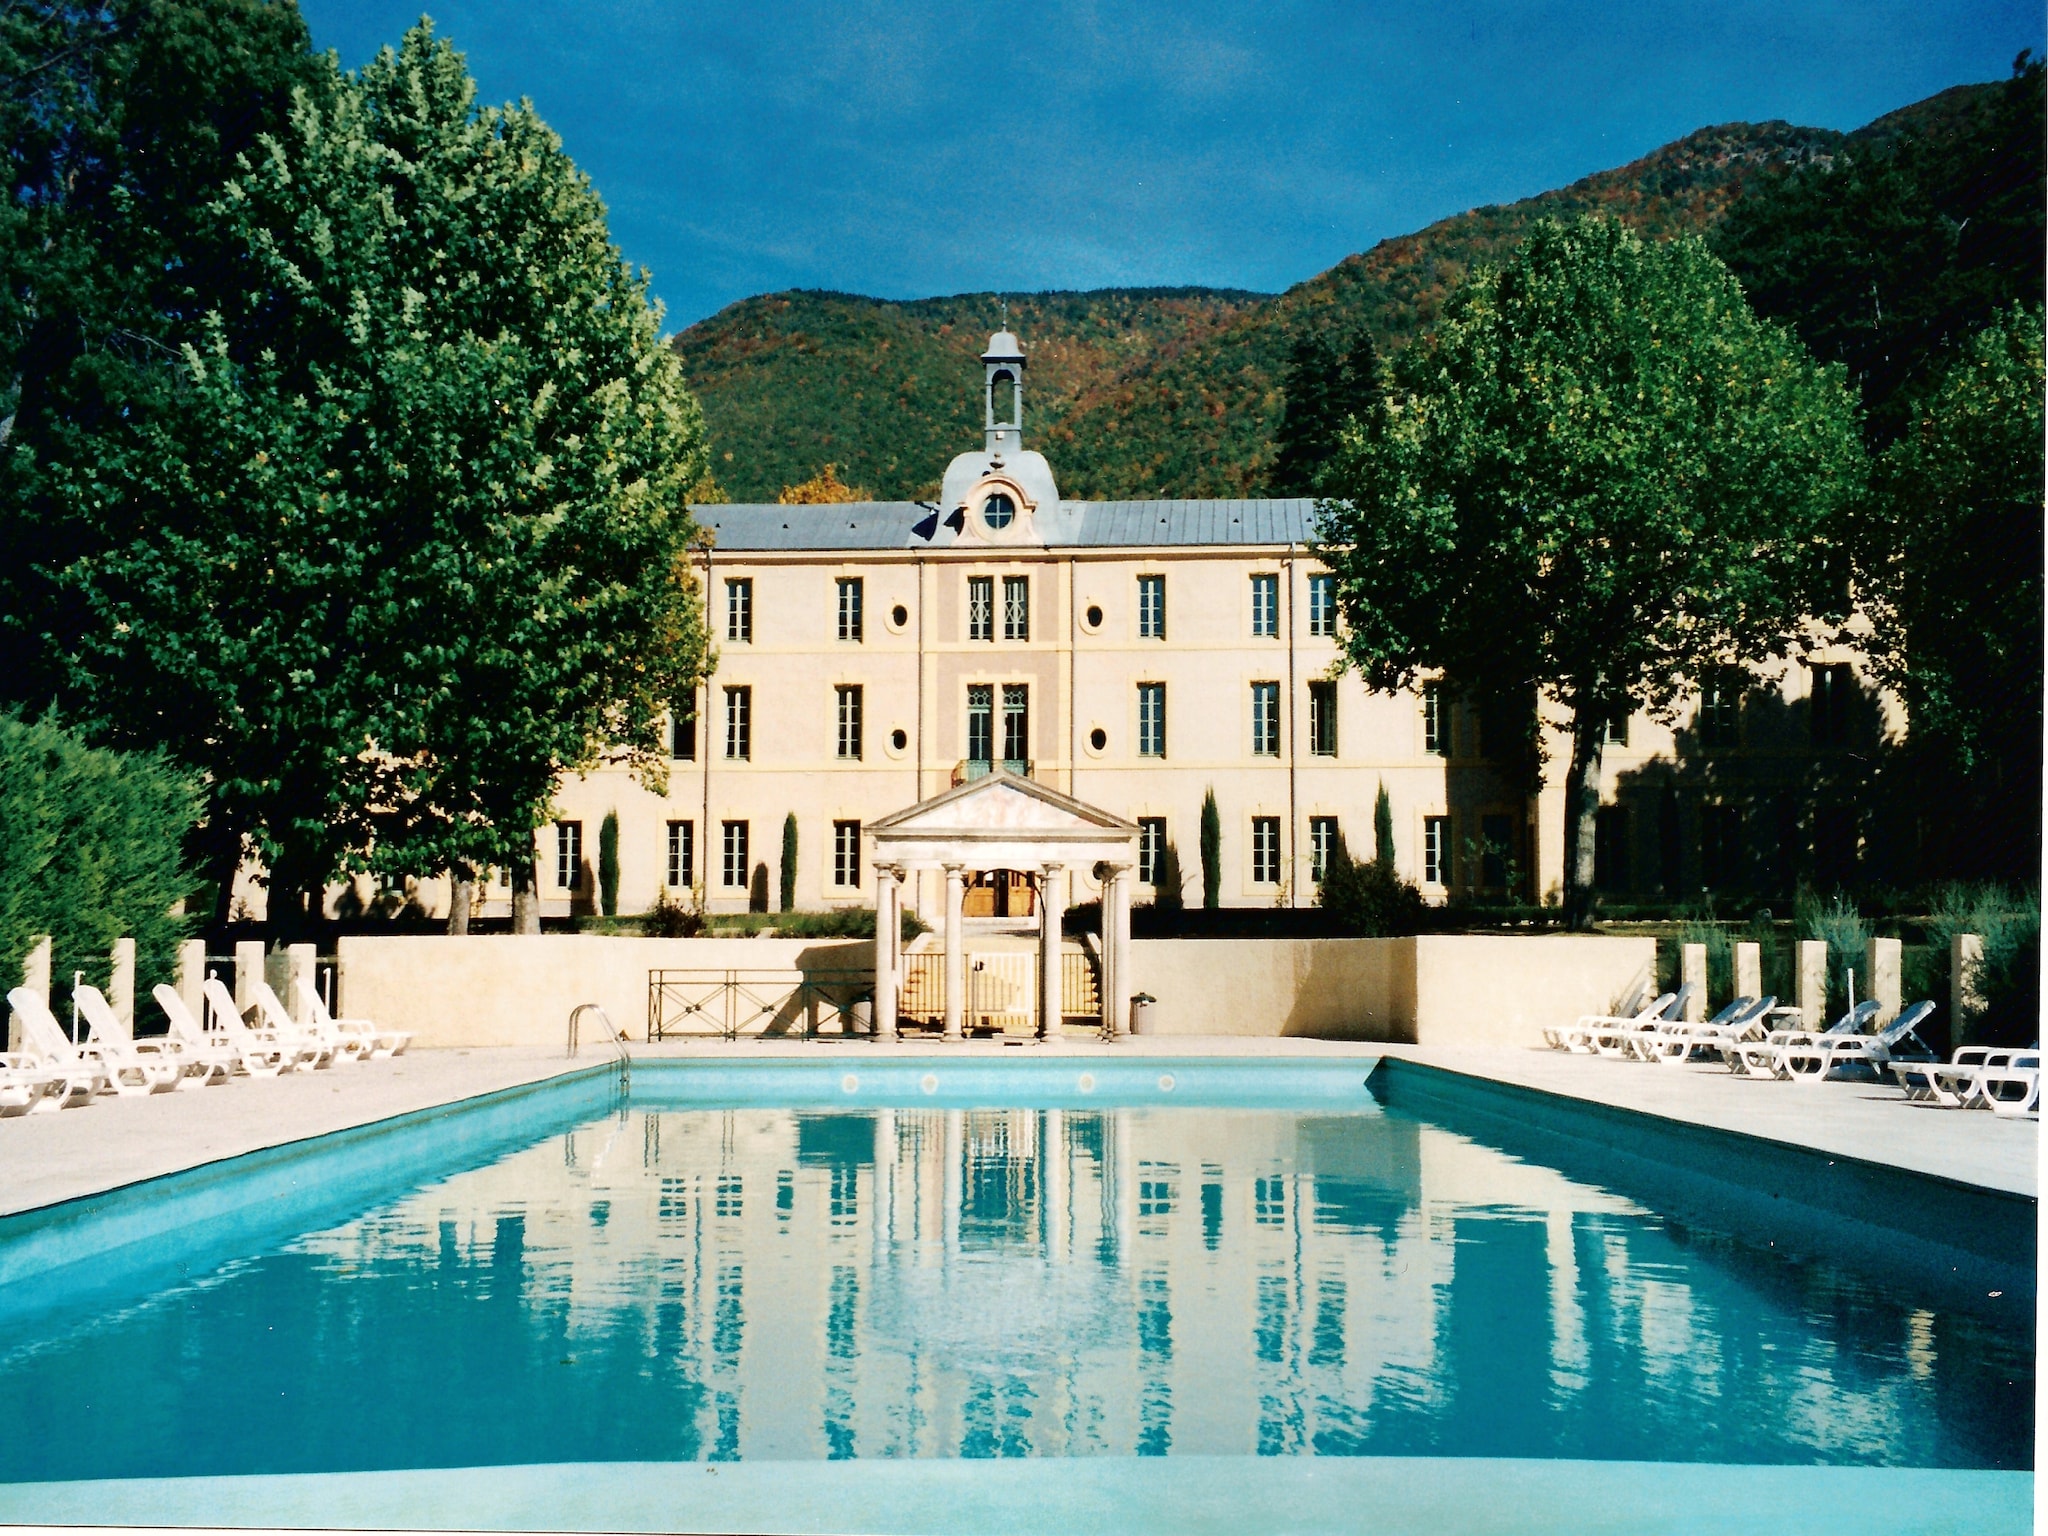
x=663, y=1280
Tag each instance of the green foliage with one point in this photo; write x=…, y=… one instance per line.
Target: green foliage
x=1888, y=254
x=1383, y=830
x=1168, y=893
x=1837, y=923
x=1600, y=478
x=1212, y=853
x=670, y=919
x=608, y=864
x=1323, y=384
x=1720, y=946
x=787, y=890
x=90, y=851
x=1368, y=900
x=2008, y=980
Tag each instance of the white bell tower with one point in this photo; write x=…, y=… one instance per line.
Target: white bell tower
x=1003, y=397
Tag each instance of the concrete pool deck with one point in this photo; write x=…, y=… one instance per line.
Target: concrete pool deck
x=50, y=1158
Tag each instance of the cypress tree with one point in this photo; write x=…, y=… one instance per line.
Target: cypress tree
x=787, y=892
x=1212, y=854
x=608, y=864
x=1383, y=830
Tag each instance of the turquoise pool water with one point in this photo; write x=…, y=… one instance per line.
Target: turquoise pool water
x=928, y=1261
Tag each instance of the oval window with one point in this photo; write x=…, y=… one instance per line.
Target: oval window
x=899, y=615
x=1098, y=738
x=899, y=738
x=998, y=511
x=1094, y=617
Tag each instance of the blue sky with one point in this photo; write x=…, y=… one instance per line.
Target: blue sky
x=911, y=149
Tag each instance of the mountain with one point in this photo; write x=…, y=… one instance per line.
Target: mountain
x=1157, y=391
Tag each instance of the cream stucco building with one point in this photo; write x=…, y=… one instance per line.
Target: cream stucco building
x=1137, y=655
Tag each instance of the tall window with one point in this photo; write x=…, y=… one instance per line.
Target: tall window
x=1721, y=845
x=568, y=854
x=739, y=608
x=1611, y=848
x=1265, y=850
x=1322, y=719
x=1436, y=850
x=1151, y=847
x=1322, y=605
x=732, y=872
x=682, y=853
x=1016, y=608
x=1833, y=686
x=1322, y=843
x=846, y=853
x=1617, y=727
x=849, y=720
x=1151, y=719
x=1265, y=719
x=1151, y=607
x=1016, y=726
x=682, y=730
x=739, y=723
x=1436, y=720
x=1266, y=605
x=981, y=708
x=849, y=607
x=981, y=607
x=1721, y=709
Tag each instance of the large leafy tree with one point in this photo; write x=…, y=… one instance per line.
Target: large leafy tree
x=1950, y=567
x=1600, y=477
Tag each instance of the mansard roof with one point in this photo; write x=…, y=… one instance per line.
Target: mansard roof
x=921, y=525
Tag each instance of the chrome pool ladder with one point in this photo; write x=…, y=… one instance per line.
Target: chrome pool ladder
x=612, y=1033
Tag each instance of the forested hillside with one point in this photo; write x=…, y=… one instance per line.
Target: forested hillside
x=1137, y=392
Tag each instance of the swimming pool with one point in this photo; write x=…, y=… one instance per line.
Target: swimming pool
x=932, y=1260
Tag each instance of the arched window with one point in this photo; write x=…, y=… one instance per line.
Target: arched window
x=1002, y=398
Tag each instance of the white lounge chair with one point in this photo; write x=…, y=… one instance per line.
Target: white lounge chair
x=1619, y=1039
x=1629, y=1007
x=210, y=1057
x=24, y=1083
x=340, y=1046
x=296, y=1050
x=1673, y=1044
x=383, y=1042
x=1580, y=1037
x=2012, y=1087
x=1761, y=1058
x=1953, y=1084
x=74, y=1079
x=135, y=1067
x=1813, y=1060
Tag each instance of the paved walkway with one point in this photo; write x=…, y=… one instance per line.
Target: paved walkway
x=49, y=1158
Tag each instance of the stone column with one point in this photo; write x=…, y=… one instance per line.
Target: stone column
x=191, y=983
x=248, y=971
x=1965, y=984
x=1882, y=961
x=886, y=972
x=1692, y=970
x=956, y=955
x=1813, y=982
x=1108, y=943
x=1123, y=949
x=1749, y=970
x=121, y=985
x=35, y=976
x=1052, y=1004
x=301, y=963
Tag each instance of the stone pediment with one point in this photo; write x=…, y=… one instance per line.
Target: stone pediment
x=1001, y=811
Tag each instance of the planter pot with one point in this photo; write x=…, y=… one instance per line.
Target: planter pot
x=1142, y=1020
x=860, y=1018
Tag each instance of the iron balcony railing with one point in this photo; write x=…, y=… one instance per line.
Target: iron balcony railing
x=726, y=1004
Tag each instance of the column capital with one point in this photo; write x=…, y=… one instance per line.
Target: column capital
x=954, y=870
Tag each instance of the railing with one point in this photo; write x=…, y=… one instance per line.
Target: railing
x=1002, y=990
x=612, y=1033
x=727, y=1004
x=980, y=768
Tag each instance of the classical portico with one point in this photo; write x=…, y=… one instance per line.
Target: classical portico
x=1003, y=822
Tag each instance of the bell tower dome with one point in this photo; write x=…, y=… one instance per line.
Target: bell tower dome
x=1003, y=396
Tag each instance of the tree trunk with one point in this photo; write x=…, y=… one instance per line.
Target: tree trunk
x=1582, y=814
x=525, y=899
x=461, y=897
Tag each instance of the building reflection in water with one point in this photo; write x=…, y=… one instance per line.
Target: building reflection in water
x=920, y=1282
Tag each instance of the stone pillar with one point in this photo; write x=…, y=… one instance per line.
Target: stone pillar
x=1123, y=949
x=1692, y=970
x=1749, y=970
x=1107, y=938
x=35, y=976
x=1052, y=1004
x=248, y=971
x=1965, y=984
x=191, y=983
x=301, y=963
x=956, y=954
x=1882, y=963
x=886, y=971
x=1813, y=983
x=121, y=985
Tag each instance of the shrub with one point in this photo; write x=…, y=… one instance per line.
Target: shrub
x=91, y=850
x=608, y=864
x=1702, y=928
x=2009, y=979
x=1368, y=900
x=1212, y=853
x=1837, y=924
x=670, y=919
